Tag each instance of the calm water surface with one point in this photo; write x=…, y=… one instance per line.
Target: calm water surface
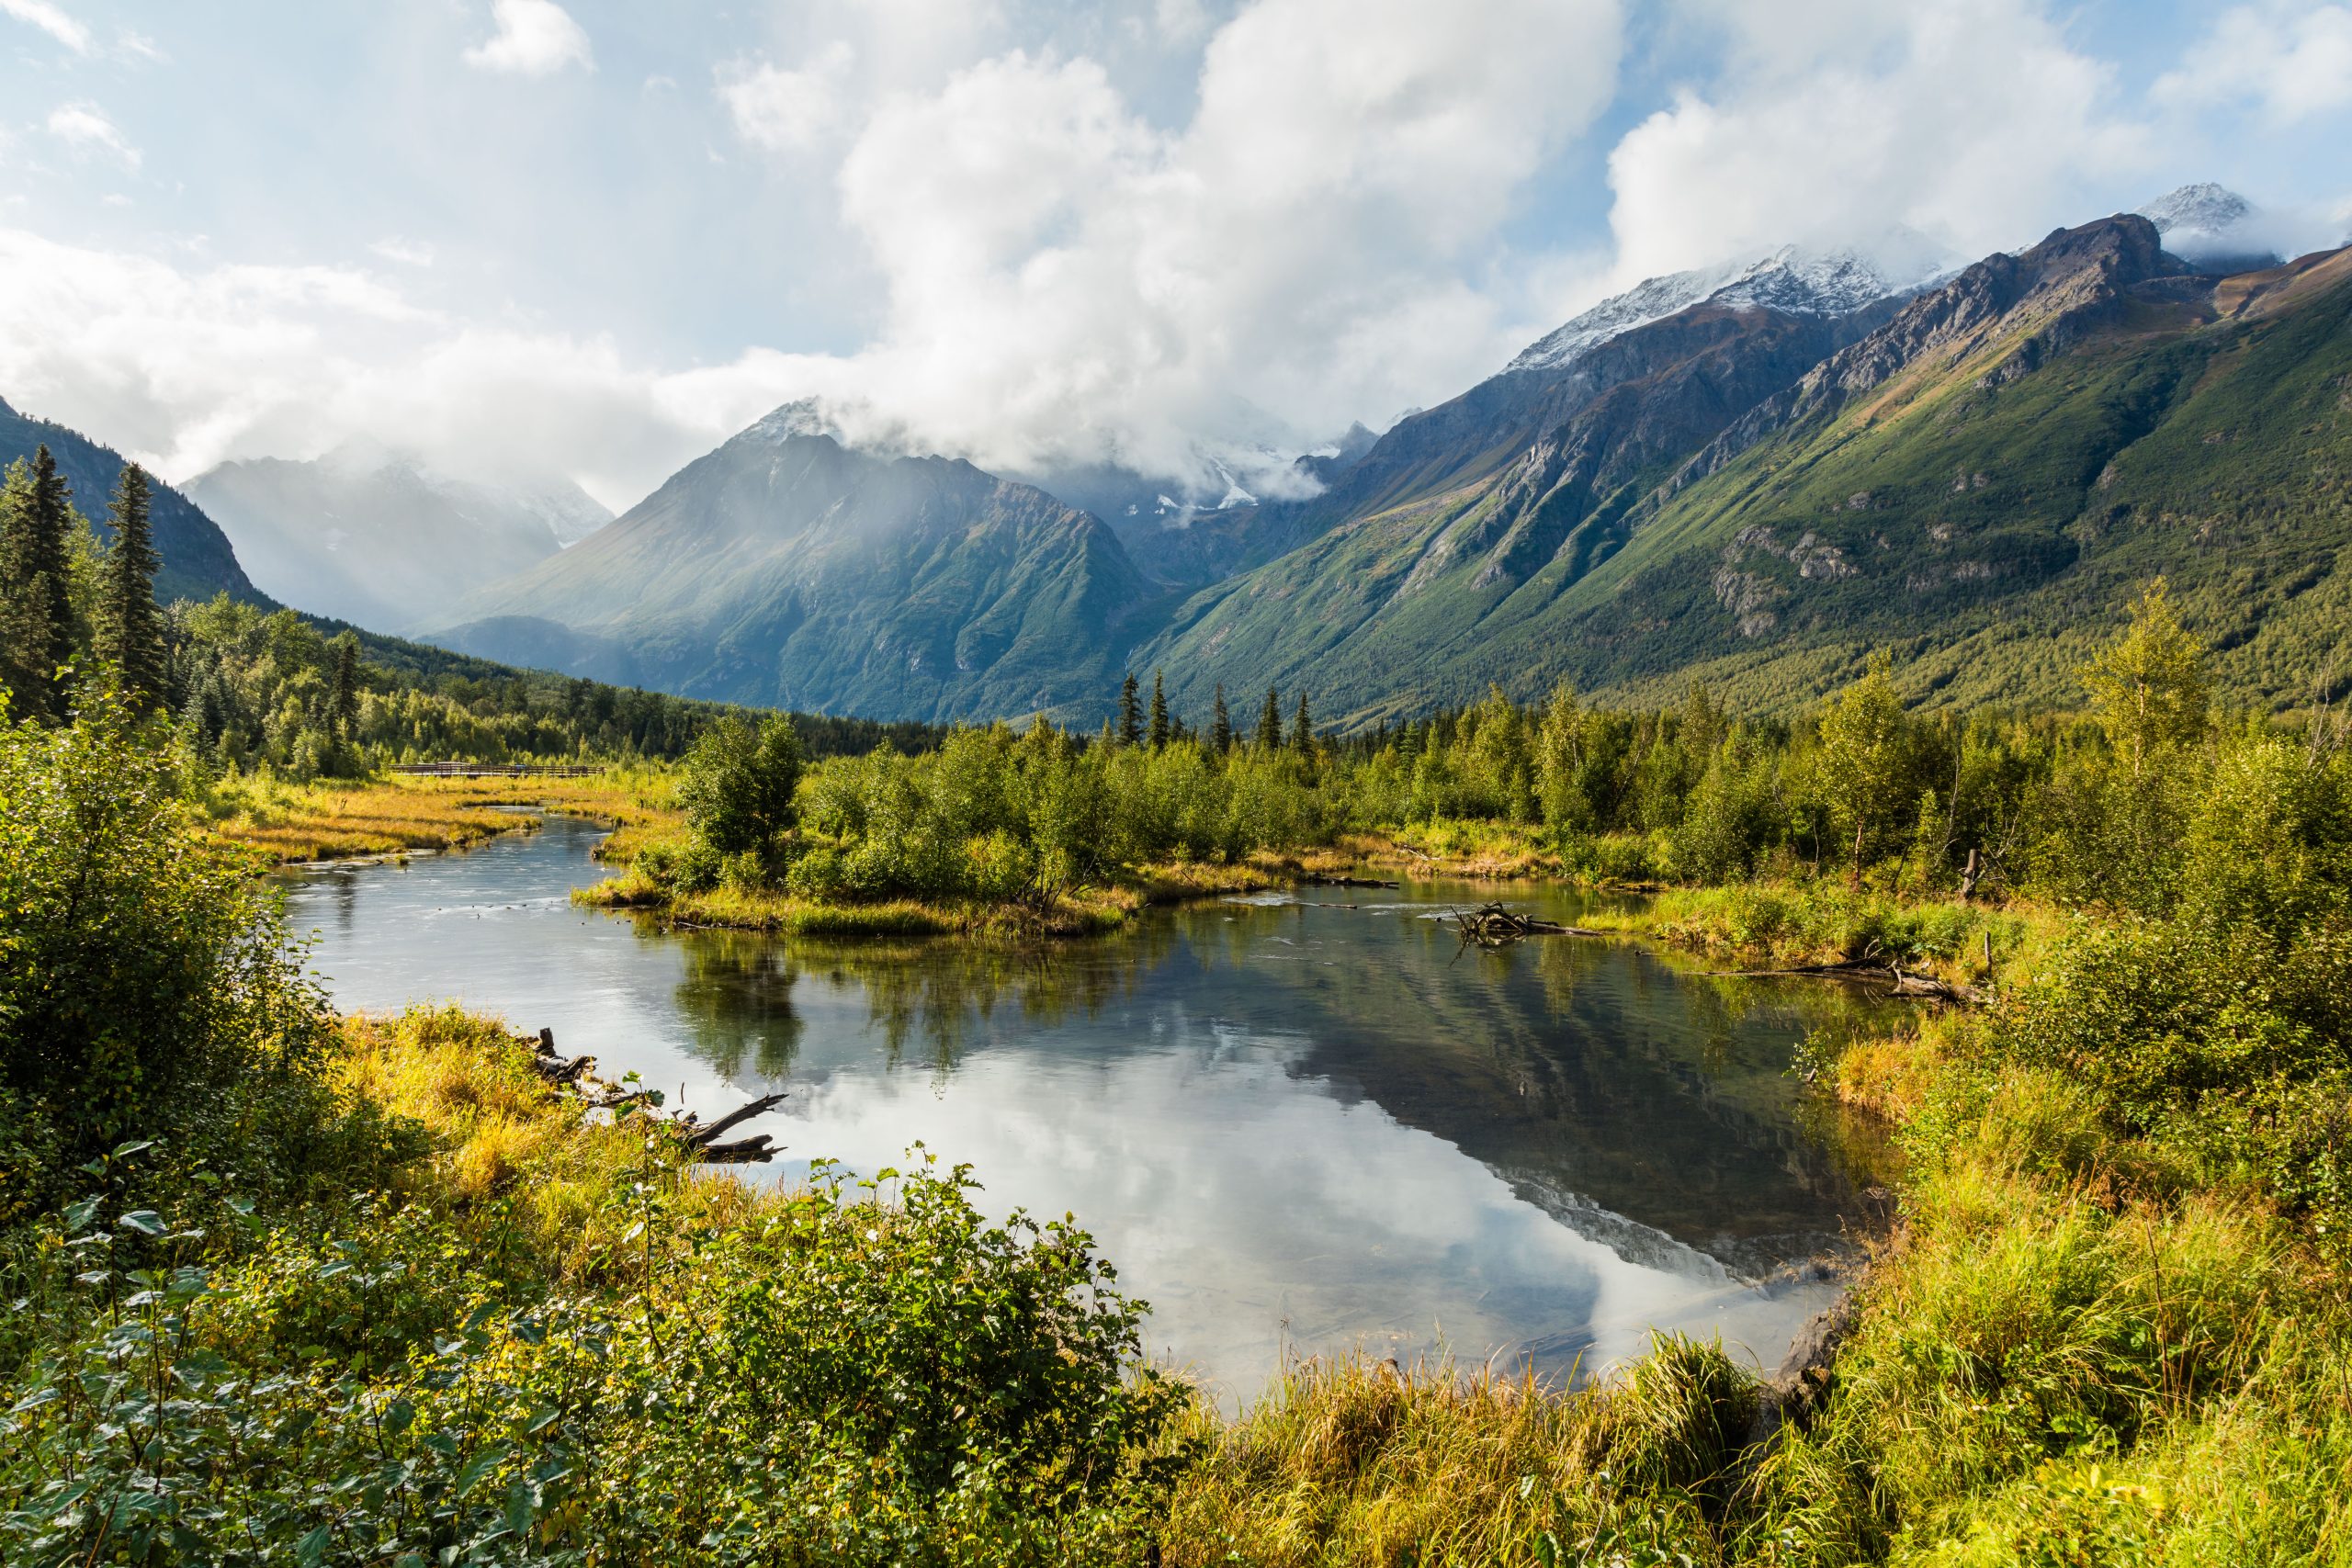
x=1296, y=1125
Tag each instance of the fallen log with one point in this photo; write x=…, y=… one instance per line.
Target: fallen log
x=755, y=1150
x=1916, y=987
x=705, y=1137
x=1322, y=880
x=1492, y=925
x=702, y=1143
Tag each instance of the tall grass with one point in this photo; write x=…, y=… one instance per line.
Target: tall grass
x=328, y=820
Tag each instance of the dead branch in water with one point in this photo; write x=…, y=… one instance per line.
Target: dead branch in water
x=1916, y=987
x=1492, y=925
x=574, y=1075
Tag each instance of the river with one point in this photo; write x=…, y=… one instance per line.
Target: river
x=1306, y=1124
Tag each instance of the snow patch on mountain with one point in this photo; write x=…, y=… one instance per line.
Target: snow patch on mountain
x=2217, y=228
x=1793, y=279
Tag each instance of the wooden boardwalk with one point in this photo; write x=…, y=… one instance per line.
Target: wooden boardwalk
x=454, y=769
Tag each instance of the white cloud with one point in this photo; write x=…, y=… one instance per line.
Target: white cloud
x=184, y=366
x=407, y=252
x=1973, y=122
x=1180, y=21
x=1068, y=283
x=789, y=111
x=2291, y=61
x=535, y=37
x=52, y=21
x=86, y=128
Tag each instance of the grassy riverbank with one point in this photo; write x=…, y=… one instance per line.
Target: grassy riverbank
x=336, y=819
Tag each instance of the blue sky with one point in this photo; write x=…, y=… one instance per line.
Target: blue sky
x=593, y=238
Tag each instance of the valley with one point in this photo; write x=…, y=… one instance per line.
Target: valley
x=756, y=809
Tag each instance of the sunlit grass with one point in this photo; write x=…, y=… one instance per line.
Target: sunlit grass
x=330, y=819
x=500, y=1134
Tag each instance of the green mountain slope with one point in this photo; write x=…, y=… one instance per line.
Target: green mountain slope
x=782, y=568
x=198, y=562
x=1476, y=510
x=1980, y=483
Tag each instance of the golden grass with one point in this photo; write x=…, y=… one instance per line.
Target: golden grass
x=500, y=1132
x=1361, y=1462
x=1084, y=912
x=1472, y=850
x=331, y=820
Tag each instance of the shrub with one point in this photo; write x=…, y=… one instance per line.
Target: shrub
x=867, y=1374
x=147, y=986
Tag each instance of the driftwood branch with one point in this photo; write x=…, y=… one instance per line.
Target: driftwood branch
x=706, y=1137
x=1919, y=987
x=575, y=1075
x=1317, y=879
x=1492, y=925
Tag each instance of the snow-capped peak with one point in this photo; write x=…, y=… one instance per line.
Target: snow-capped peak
x=2214, y=227
x=2202, y=207
x=1793, y=278
x=803, y=416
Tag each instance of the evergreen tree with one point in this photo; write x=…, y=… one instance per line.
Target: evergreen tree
x=1220, y=725
x=1159, y=732
x=38, y=613
x=1130, y=712
x=342, y=693
x=1270, y=721
x=130, y=625
x=23, y=617
x=1302, y=728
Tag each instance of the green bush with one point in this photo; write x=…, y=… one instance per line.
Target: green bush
x=869, y=1373
x=147, y=984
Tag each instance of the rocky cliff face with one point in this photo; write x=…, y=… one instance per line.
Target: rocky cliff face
x=2023, y=308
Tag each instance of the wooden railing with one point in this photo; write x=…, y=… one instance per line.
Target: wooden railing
x=456, y=769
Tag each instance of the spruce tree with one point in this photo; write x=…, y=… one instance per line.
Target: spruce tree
x=36, y=616
x=1270, y=721
x=1159, y=733
x=1130, y=712
x=342, y=695
x=24, y=625
x=1302, y=728
x=129, y=633
x=1220, y=725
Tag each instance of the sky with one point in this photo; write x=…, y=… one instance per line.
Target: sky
x=590, y=239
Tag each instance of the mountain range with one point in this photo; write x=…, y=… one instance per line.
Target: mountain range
x=1752, y=475
x=381, y=538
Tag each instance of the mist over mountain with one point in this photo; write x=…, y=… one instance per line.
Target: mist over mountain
x=785, y=569
x=378, y=537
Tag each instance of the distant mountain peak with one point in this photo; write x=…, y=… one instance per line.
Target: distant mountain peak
x=2201, y=205
x=1797, y=279
x=802, y=416
x=2212, y=226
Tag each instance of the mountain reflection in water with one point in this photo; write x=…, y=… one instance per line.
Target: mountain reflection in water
x=1295, y=1125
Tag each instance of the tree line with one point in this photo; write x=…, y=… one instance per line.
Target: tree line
x=2087, y=805
x=246, y=689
